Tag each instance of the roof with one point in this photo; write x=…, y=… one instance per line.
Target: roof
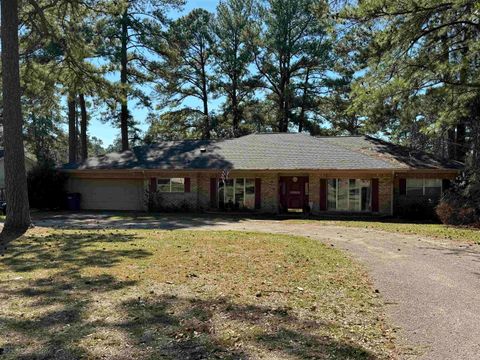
x=265, y=151
x=397, y=155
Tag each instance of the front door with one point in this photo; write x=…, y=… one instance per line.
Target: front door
x=294, y=193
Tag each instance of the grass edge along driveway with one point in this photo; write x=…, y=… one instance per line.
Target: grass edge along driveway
x=146, y=294
x=439, y=231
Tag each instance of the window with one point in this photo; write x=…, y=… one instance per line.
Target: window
x=332, y=194
x=414, y=187
x=349, y=195
x=236, y=193
x=432, y=188
x=171, y=185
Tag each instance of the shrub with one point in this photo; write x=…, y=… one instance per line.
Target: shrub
x=454, y=213
x=46, y=187
x=421, y=208
x=461, y=203
x=157, y=203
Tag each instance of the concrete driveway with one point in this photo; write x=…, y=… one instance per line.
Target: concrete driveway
x=431, y=287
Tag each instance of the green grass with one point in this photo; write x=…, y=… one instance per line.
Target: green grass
x=185, y=295
x=465, y=234
x=440, y=231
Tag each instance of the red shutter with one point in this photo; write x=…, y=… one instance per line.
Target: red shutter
x=375, y=197
x=403, y=186
x=186, y=184
x=323, y=194
x=446, y=184
x=153, y=184
x=258, y=193
x=213, y=192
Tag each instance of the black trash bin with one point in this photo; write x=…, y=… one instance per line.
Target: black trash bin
x=73, y=201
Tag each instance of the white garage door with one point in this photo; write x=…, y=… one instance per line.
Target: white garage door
x=109, y=194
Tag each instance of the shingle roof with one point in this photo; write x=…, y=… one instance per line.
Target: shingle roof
x=398, y=156
x=271, y=151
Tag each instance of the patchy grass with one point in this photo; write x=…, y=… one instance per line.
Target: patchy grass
x=126, y=294
x=440, y=231
x=465, y=234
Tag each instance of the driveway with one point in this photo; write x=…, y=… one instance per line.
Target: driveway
x=431, y=287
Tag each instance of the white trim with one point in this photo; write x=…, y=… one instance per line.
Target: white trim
x=423, y=184
x=234, y=192
x=357, y=187
x=170, y=185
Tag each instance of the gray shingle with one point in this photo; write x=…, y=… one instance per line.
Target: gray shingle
x=398, y=156
x=273, y=151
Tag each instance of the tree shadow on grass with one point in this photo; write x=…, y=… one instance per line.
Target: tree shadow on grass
x=187, y=328
x=72, y=250
x=60, y=309
x=46, y=299
x=51, y=311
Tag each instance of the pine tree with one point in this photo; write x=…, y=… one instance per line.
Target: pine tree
x=185, y=70
x=292, y=45
x=233, y=57
x=18, y=214
x=129, y=30
x=418, y=51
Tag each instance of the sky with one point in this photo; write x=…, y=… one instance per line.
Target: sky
x=108, y=133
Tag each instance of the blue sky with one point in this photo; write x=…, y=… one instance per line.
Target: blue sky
x=106, y=132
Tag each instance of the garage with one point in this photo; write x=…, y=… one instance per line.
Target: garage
x=109, y=194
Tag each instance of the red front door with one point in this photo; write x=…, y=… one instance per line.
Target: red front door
x=293, y=192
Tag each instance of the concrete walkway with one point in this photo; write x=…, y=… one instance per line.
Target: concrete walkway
x=431, y=287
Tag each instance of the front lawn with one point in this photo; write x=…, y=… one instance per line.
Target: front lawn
x=124, y=294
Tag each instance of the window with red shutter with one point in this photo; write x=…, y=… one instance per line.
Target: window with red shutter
x=213, y=192
x=258, y=193
x=323, y=194
x=186, y=185
x=153, y=184
x=402, y=186
x=375, y=195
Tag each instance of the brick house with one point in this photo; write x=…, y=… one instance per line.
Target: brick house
x=268, y=173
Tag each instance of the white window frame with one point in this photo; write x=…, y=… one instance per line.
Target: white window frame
x=234, y=192
x=348, y=196
x=423, y=184
x=170, y=185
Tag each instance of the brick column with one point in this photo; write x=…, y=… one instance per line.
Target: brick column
x=385, y=195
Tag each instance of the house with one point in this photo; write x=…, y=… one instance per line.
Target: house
x=266, y=172
x=29, y=164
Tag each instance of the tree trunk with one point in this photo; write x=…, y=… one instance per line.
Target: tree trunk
x=72, y=129
x=124, y=114
x=206, y=125
x=461, y=150
x=475, y=129
x=286, y=110
x=281, y=106
x=18, y=213
x=301, y=120
x=83, y=127
x=235, y=111
x=451, y=144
